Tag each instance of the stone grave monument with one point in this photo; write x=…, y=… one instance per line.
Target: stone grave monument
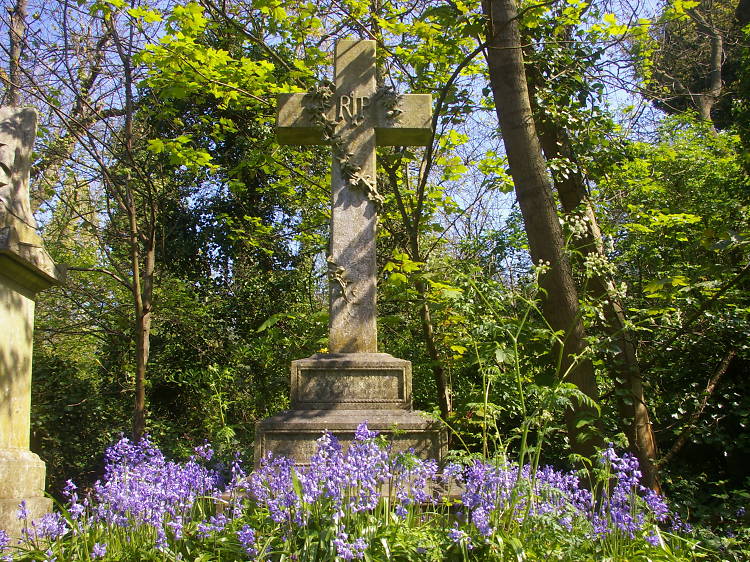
x=352, y=383
x=25, y=269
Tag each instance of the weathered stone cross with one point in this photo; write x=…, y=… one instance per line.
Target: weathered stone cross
x=354, y=120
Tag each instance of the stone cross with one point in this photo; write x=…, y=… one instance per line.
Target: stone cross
x=354, y=118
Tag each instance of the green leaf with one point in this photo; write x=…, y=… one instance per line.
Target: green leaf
x=503, y=355
x=397, y=278
x=273, y=320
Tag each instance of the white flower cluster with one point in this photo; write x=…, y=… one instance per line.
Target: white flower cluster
x=577, y=225
x=621, y=290
x=597, y=265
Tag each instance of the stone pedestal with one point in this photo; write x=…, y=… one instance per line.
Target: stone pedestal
x=21, y=479
x=351, y=381
x=25, y=269
x=338, y=391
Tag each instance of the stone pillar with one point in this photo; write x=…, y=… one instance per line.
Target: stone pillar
x=25, y=269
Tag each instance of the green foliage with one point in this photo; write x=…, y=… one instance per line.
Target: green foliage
x=680, y=245
x=741, y=108
x=673, y=57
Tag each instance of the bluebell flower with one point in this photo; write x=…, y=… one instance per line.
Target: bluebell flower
x=161, y=540
x=99, y=550
x=4, y=543
x=141, y=487
x=22, y=512
x=246, y=536
x=363, y=433
x=349, y=550
x=214, y=524
x=177, y=526
x=50, y=526
x=457, y=535
x=204, y=451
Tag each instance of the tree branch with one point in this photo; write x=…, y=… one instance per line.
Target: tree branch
x=690, y=426
x=697, y=314
x=17, y=31
x=105, y=272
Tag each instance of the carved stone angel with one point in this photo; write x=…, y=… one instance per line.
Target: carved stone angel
x=17, y=132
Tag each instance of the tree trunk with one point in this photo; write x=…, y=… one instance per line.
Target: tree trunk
x=143, y=293
x=529, y=171
x=705, y=101
x=142, y=325
x=442, y=384
x=142, y=329
x=17, y=31
x=438, y=372
x=143, y=277
x=625, y=370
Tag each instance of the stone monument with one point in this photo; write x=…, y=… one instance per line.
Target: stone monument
x=25, y=269
x=352, y=383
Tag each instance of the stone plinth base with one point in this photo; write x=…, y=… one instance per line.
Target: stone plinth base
x=351, y=381
x=21, y=479
x=294, y=433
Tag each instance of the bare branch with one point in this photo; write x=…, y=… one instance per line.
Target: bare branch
x=111, y=274
x=713, y=382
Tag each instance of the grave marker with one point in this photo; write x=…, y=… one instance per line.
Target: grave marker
x=25, y=269
x=353, y=382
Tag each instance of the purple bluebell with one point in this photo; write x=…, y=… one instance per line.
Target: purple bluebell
x=51, y=526
x=349, y=550
x=141, y=487
x=204, y=451
x=213, y=524
x=246, y=536
x=99, y=550
x=4, y=543
x=22, y=512
x=458, y=535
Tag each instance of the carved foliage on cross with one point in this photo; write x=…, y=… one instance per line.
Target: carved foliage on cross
x=320, y=100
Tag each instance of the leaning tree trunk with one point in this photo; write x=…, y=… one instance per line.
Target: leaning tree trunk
x=626, y=373
x=442, y=385
x=529, y=171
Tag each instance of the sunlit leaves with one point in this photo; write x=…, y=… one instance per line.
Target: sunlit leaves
x=609, y=26
x=183, y=65
x=271, y=8
x=180, y=153
x=186, y=20
x=145, y=14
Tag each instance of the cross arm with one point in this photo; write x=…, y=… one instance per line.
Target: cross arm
x=411, y=127
x=294, y=125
